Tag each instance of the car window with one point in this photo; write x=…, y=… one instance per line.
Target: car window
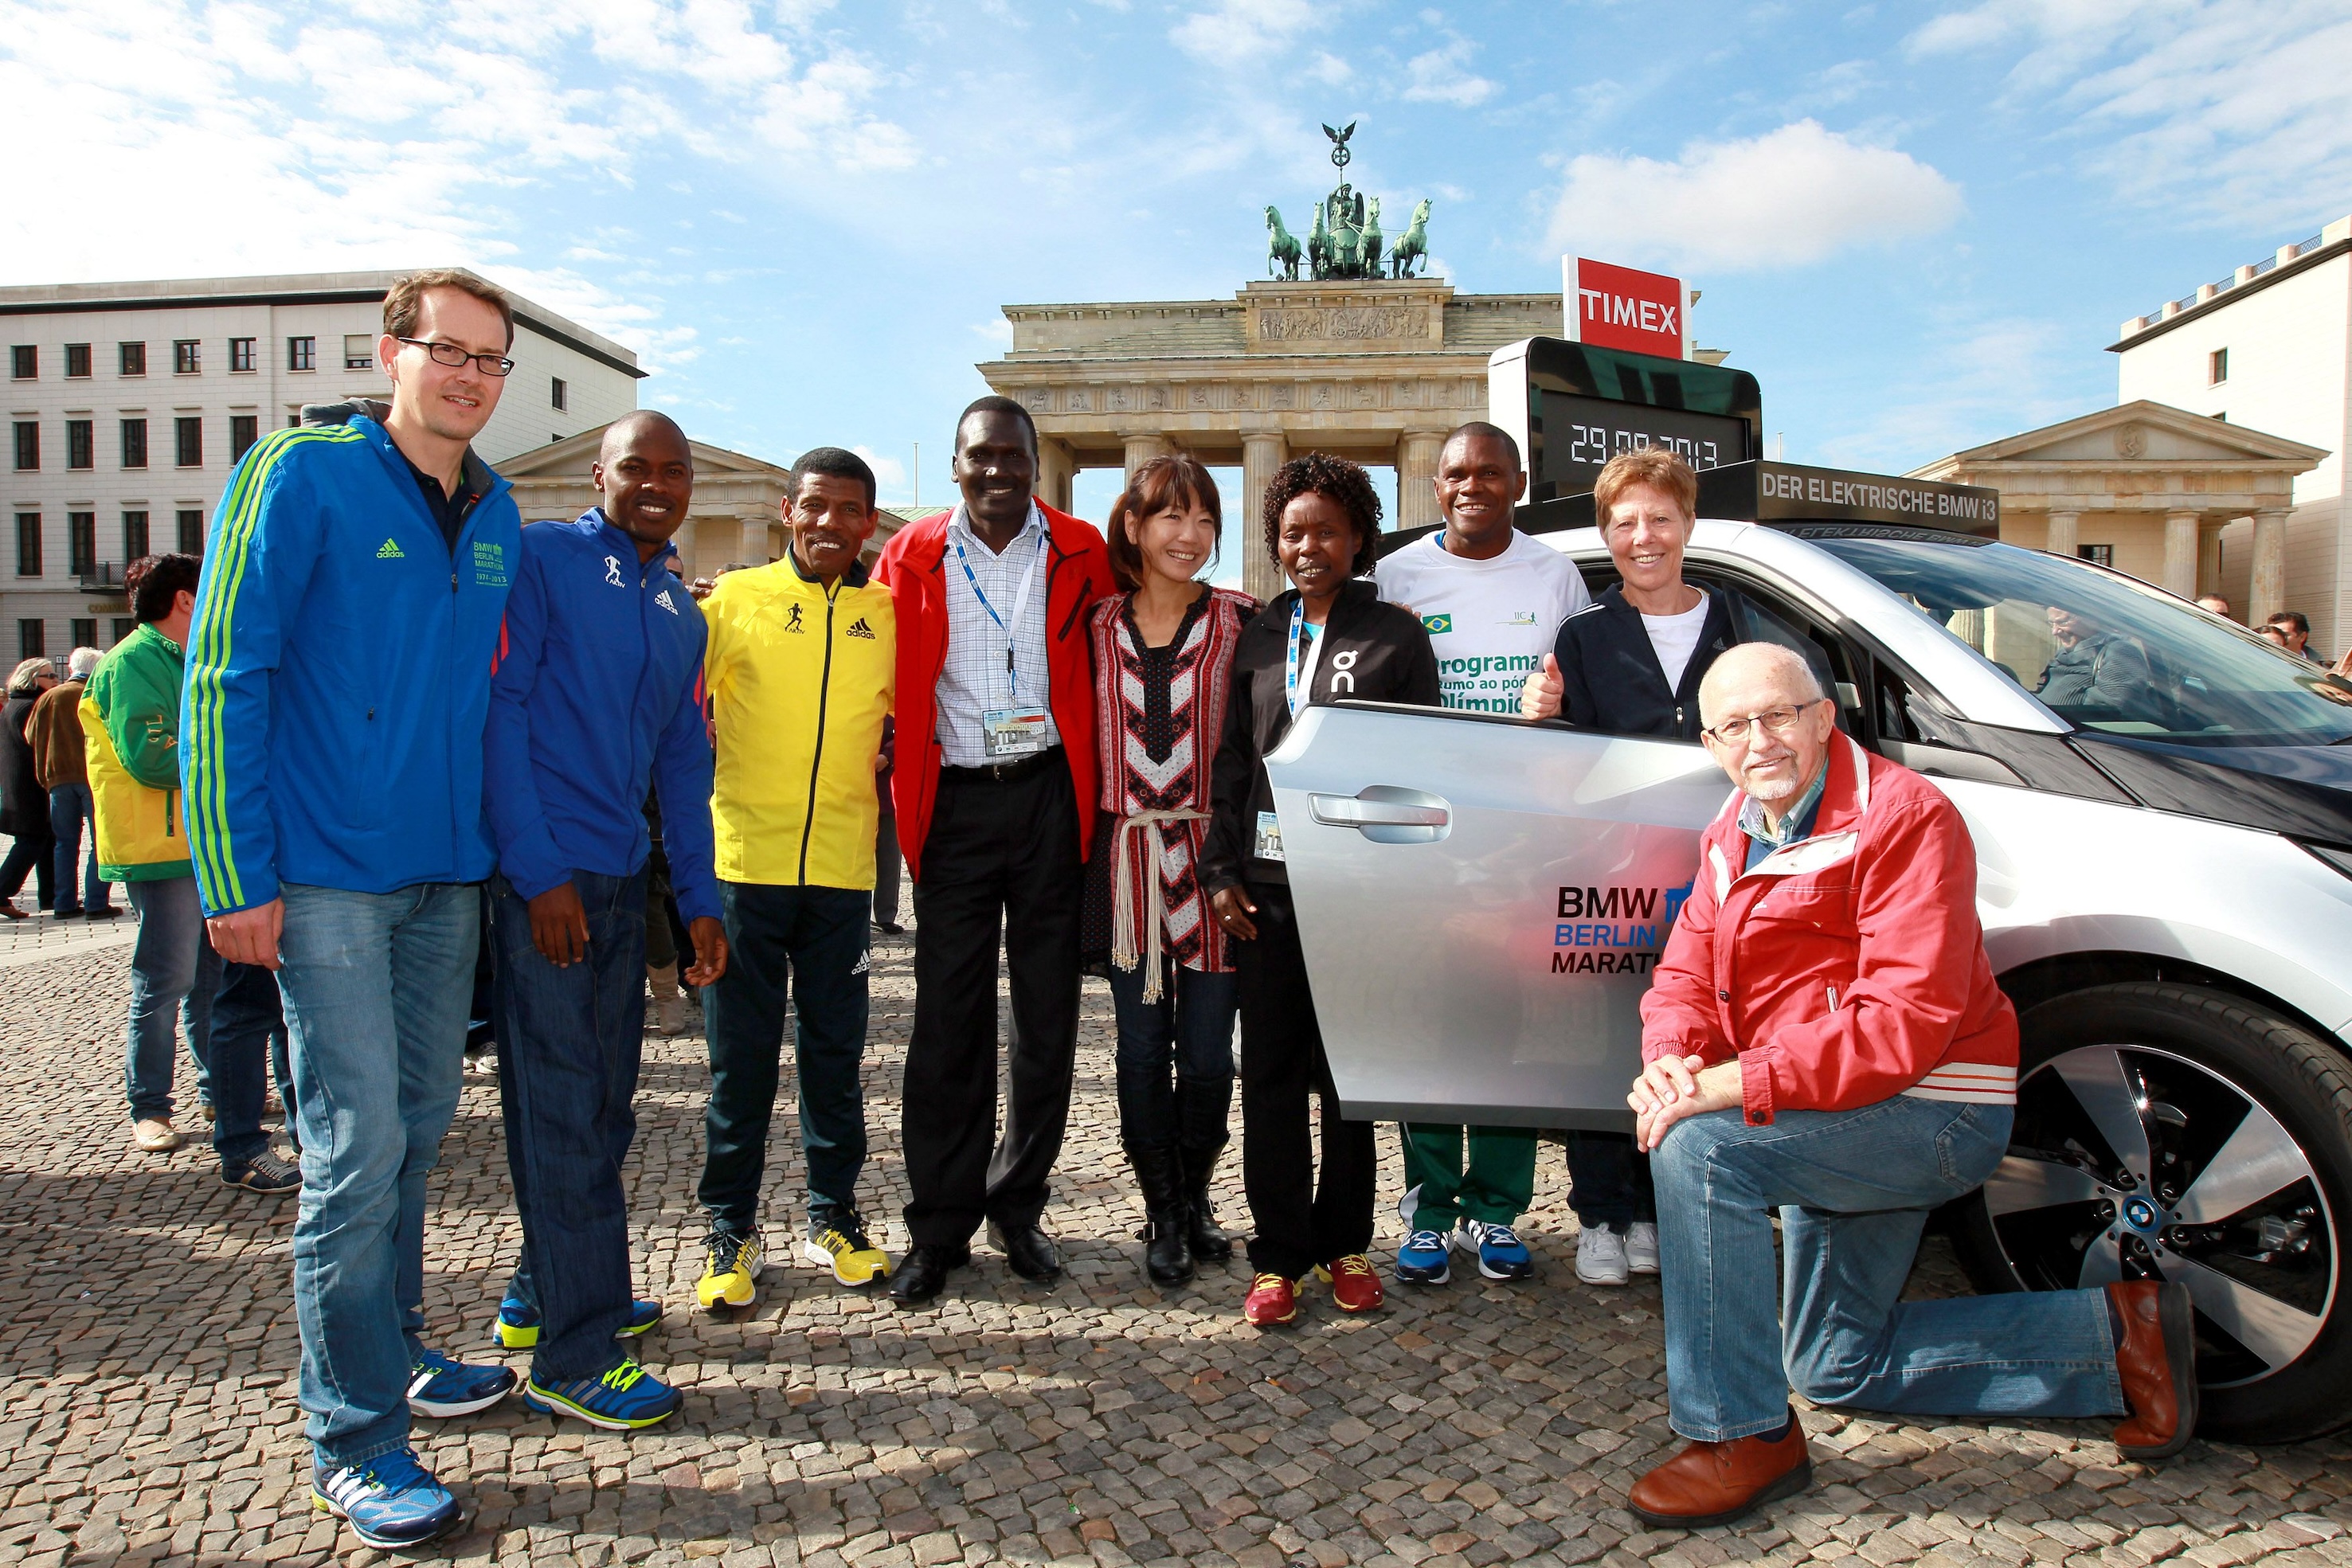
x=1760, y=615
x=2106, y=651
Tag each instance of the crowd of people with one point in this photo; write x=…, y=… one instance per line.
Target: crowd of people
x=544, y=740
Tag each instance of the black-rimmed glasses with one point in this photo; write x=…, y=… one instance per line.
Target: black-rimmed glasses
x=451, y=355
x=1735, y=731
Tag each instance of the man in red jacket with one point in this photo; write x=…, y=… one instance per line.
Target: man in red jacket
x=993, y=787
x=1824, y=1038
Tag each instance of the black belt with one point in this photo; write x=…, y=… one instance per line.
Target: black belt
x=1002, y=772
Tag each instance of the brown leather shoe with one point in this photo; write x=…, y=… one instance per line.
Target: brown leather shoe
x=2158, y=1359
x=1715, y=1483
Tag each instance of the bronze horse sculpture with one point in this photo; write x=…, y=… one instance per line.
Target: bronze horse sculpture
x=1412, y=245
x=1283, y=249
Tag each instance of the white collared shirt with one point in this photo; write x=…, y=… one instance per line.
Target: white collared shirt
x=974, y=679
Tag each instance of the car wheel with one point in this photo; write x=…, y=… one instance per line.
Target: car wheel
x=2170, y=1132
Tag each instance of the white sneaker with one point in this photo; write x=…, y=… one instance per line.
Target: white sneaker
x=1600, y=1257
x=1642, y=1248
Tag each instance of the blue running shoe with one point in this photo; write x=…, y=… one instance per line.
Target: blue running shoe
x=390, y=1502
x=440, y=1386
x=1421, y=1260
x=624, y=1399
x=1501, y=1254
x=517, y=1325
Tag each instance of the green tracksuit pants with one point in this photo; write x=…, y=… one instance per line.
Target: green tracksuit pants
x=1493, y=1187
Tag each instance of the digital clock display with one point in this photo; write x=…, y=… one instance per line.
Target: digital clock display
x=1581, y=434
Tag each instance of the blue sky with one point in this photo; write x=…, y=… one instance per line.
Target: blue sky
x=1917, y=225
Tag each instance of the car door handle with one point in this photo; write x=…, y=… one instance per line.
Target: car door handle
x=1353, y=812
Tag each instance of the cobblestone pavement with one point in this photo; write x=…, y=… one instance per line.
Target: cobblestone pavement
x=147, y=1356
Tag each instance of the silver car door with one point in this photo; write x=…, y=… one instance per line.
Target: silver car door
x=1480, y=902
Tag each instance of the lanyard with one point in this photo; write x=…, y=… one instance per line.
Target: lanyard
x=1290, y=658
x=1020, y=603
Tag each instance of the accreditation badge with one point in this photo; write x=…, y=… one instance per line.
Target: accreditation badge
x=1011, y=732
x=1268, y=846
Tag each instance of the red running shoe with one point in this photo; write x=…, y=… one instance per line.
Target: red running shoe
x=1272, y=1301
x=1355, y=1286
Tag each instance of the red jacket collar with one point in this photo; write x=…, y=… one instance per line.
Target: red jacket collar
x=927, y=543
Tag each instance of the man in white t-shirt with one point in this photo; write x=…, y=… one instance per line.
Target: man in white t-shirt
x=1491, y=599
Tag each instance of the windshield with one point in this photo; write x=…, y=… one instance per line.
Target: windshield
x=2107, y=653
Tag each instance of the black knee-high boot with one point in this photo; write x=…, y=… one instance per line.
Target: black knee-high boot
x=1167, y=1254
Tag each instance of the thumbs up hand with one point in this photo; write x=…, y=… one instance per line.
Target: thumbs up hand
x=1539, y=697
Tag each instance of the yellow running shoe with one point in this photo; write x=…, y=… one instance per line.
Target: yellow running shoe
x=837, y=1241
x=730, y=1272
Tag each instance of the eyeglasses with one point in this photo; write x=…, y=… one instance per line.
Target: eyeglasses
x=454, y=357
x=1735, y=731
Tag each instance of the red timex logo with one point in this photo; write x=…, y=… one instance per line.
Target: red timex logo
x=1619, y=307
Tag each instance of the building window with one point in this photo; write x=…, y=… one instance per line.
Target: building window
x=558, y=394
x=32, y=639
x=25, y=362
x=244, y=430
x=240, y=355
x=134, y=444
x=134, y=359
x=359, y=352
x=187, y=357
x=2099, y=555
x=81, y=446
x=77, y=361
x=192, y=530
x=124, y=626
x=81, y=544
x=294, y=421
x=188, y=431
x=28, y=544
x=134, y=536
x=301, y=353
x=28, y=446
x=2217, y=366
x=85, y=631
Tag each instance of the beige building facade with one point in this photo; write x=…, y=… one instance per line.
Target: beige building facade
x=1374, y=370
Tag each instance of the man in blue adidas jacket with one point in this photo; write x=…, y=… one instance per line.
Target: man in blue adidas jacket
x=597, y=690
x=338, y=678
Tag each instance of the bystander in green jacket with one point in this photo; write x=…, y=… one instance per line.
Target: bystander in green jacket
x=130, y=726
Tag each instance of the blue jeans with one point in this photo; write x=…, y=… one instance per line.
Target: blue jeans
x=173, y=970
x=1175, y=1057
x=245, y=1032
x=69, y=808
x=375, y=988
x=1853, y=1189
x=568, y=1041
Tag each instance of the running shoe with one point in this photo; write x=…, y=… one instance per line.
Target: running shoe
x=390, y=1502
x=837, y=1241
x=1501, y=1254
x=1424, y=1260
x=730, y=1272
x=440, y=1386
x=1600, y=1257
x=517, y=1325
x=1642, y=1248
x=265, y=1173
x=1272, y=1301
x=626, y=1398
x=1355, y=1284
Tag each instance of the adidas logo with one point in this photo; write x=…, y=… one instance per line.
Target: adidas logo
x=663, y=598
x=858, y=628
x=865, y=960
x=389, y=550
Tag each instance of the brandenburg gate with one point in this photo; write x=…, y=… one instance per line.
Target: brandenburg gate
x=1373, y=369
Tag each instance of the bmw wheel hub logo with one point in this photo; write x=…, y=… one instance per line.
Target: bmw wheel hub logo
x=2141, y=1215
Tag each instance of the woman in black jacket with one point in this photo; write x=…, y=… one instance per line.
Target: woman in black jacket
x=1327, y=639
x=23, y=804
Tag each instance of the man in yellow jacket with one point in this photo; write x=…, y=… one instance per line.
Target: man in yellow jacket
x=799, y=671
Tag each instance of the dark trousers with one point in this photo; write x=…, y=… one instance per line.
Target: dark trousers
x=1175, y=1058
x=248, y=1028
x=886, y=868
x=35, y=854
x=1000, y=856
x=1608, y=1183
x=69, y=808
x=1299, y=1220
x=807, y=944
x=568, y=1042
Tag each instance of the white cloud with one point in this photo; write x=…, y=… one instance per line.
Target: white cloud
x=1782, y=199
x=889, y=473
x=1236, y=29
x=1443, y=76
x=996, y=332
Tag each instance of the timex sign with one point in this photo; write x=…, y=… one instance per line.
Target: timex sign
x=1618, y=307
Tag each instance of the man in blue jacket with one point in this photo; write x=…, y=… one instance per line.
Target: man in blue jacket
x=338, y=679
x=597, y=691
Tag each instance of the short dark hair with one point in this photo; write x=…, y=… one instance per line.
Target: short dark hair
x=835, y=462
x=1178, y=480
x=992, y=404
x=2294, y=619
x=405, y=298
x=1338, y=480
x=155, y=582
x=1479, y=430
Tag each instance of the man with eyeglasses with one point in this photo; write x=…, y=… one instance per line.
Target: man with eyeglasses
x=338, y=682
x=1824, y=1039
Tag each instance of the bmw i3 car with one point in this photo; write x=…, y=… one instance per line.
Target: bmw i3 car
x=2163, y=874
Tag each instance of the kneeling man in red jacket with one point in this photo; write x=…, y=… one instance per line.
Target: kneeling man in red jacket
x=1824, y=1038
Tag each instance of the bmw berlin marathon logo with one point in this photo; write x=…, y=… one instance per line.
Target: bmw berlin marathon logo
x=1613, y=930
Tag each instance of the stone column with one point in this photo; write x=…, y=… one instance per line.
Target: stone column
x=2266, y=593
x=1416, y=466
x=1263, y=451
x=2062, y=539
x=752, y=549
x=2180, y=554
x=1057, y=466
x=1142, y=449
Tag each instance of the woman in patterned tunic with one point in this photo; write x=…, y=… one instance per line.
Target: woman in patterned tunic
x=1163, y=651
